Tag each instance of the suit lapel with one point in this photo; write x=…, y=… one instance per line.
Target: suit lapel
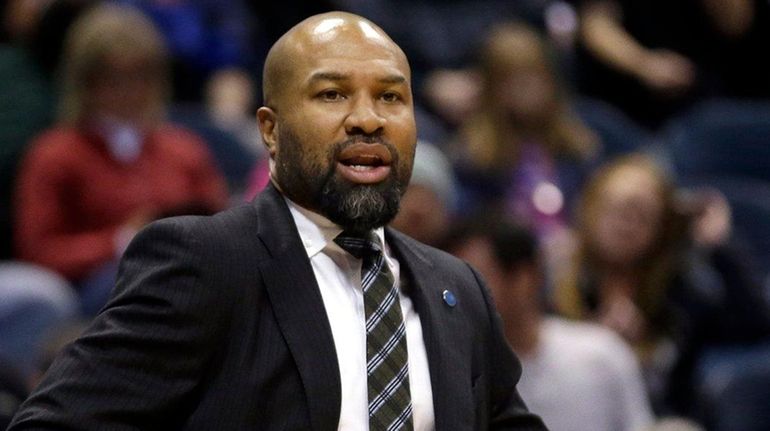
x=299, y=309
x=425, y=290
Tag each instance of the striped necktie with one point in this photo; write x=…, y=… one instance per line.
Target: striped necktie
x=390, y=405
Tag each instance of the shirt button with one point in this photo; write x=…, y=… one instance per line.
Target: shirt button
x=308, y=243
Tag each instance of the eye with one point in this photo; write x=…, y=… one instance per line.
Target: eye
x=390, y=97
x=330, y=95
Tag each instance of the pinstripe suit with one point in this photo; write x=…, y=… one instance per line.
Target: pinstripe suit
x=217, y=323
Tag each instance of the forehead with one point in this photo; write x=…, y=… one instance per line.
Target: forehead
x=632, y=184
x=353, y=48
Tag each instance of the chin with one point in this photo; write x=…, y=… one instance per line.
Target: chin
x=360, y=207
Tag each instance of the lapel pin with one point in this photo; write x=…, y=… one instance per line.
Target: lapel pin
x=449, y=298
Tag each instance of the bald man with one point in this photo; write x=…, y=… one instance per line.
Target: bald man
x=299, y=311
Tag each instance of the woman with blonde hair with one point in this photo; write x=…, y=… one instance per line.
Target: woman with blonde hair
x=112, y=163
x=524, y=150
x=637, y=272
x=629, y=234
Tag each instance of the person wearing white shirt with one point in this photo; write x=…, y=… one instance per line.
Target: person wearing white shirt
x=576, y=376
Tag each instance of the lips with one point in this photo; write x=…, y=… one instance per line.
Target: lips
x=364, y=163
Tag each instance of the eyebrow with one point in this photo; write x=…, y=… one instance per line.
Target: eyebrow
x=335, y=76
x=393, y=79
x=329, y=76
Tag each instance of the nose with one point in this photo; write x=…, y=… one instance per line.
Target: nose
x=364, y=118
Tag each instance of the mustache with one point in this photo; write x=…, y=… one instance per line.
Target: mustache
x=365, y=139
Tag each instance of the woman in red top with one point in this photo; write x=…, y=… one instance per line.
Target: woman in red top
x=112, y=163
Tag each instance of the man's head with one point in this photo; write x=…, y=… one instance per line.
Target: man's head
x=338, y=119
x=507, y=257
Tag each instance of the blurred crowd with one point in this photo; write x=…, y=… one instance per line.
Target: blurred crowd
x=604, y=164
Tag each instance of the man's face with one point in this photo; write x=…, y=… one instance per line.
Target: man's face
x=345, y=130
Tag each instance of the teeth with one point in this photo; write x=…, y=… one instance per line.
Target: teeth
x=361, y=167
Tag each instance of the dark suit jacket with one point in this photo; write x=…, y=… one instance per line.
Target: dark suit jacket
x=217, y=323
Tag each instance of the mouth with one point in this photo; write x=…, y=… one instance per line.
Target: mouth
x=364, y=163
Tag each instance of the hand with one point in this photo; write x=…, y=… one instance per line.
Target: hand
x=713, y=223
x=667, y=72
x=620, y=314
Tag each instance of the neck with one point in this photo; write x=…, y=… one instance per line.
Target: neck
x=618, y=281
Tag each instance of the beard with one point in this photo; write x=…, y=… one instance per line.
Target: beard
x=314, y=184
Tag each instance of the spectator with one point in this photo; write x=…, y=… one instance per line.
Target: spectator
x=524, y=128
x=576, y=376
x=230, y=105
x=524, y=150
x=428, y=204
x=112, y=163
x=635, y=272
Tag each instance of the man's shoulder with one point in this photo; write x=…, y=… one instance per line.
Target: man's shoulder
x=224, y=233
x=430, y=256
x=234, y=219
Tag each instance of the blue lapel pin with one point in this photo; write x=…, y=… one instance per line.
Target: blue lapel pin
x=449, y=298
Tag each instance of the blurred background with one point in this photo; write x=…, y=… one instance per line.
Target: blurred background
x=605, y=165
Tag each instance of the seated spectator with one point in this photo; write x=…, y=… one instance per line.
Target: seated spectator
x=230, y=105
x=637, y=272
x=524, y=150
x=576, y=376
x=427, y=206
x=112, y=163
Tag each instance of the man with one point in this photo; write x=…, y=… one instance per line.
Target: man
x=577, y=376
x=257, y=318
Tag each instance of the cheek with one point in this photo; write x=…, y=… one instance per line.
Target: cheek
x=401, y=129
x=607, y=237
x=405, y=142
x=294, y=160
x=307, y=143
x=622, y=241
x=406, y=163
x=645, y=236
x=602, y=236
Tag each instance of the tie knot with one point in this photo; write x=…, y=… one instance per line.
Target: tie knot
x=358, y=244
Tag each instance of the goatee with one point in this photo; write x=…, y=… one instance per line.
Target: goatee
x=360, y=207
x=318, y=187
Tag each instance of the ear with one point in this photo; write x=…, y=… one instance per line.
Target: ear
x=268, y=128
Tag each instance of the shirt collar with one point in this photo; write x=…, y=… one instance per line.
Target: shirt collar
x=317, y=232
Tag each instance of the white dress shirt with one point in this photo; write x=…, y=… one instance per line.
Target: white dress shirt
x=338, y=274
